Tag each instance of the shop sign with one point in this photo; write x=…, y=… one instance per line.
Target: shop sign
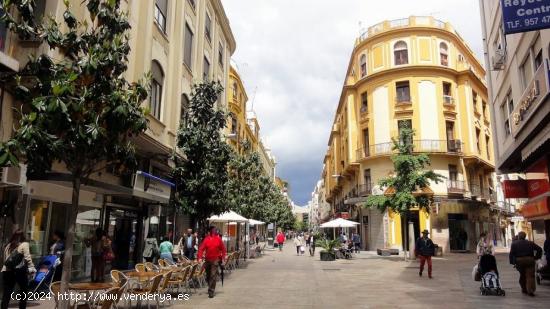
x=536, y=187
x=151, y=184
x=525, y=15
x=517, y=219
x=536, y=92
x=515, y=188
x=535, y=208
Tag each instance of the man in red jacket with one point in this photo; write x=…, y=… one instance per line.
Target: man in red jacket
x=213, y=249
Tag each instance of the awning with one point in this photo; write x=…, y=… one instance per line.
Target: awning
x=355, y=200
x=339, y=223
x=229, y=216
x=536, y=143
x=536, y=207
x=255, y=222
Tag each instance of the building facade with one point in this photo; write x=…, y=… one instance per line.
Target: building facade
x=415, y=72
x=131, y=206
x=518, y=83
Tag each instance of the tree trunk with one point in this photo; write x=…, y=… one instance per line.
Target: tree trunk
x=68, y=257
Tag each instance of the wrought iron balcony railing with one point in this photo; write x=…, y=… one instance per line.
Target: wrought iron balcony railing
x=455, y=186
x=419, y=146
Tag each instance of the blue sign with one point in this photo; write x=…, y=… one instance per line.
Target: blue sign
x=525, y=15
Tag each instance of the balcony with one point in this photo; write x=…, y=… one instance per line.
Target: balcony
x=455, y=186
x=364, y=190
x=475, y=190
x=403, y=100
x=420, y=146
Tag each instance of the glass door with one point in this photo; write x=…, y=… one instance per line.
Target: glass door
x=122, y=229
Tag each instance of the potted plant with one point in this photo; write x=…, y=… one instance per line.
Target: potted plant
x=327, y=254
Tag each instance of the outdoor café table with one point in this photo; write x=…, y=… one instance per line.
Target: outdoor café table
x=87, y=288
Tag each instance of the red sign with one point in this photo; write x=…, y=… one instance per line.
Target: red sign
x=536, y=187
x=515, y=188
x=536, y=208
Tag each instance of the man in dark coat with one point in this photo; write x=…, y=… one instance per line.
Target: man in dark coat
x=523, y=254
x=424, y=249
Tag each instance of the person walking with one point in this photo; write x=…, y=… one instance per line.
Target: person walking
x=16, y=267
x=100, y=246
x=311, y=245
x=280, y=240
x=298, y=242
x=424, y=249
x=212, y=250
x=523, y=254
x=484, y=246
x=356, y=239
x=166, y=247
x=189, y=242
x=151, y=248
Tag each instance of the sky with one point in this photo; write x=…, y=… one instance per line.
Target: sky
x=292, y=56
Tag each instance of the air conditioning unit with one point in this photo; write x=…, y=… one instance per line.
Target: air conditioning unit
x=13, y=176
x=499, y=59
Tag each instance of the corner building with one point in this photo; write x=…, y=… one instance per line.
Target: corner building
x=414, y=72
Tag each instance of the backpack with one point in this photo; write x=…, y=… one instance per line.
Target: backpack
x=14, y=260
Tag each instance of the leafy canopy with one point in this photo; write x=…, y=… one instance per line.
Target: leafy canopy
x=410, y=177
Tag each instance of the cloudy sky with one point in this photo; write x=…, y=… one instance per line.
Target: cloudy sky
x=293, y=55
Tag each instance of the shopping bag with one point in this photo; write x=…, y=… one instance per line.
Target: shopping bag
x=476, y=275
x=302, y=249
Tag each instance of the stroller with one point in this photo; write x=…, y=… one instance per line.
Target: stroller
x=490, y=282
x=45, y=272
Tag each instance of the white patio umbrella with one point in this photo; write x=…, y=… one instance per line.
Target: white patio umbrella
x=339, y=223
x=228, y=217
x=255, y=222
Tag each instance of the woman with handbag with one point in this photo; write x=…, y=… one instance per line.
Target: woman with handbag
x=17, y=265
x=151, y=249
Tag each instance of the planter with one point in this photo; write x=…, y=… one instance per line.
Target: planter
x=327, y=256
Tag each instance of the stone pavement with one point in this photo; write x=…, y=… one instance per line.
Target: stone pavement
x=284, y=280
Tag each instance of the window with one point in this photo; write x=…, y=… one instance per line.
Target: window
x=235, y=90
x=183, y=110
x=161, y=7
x=208, y=27
x=447, y=93
x=193, y=4
x=234, y=129
x=220, y=54
x=366, y=142
x=367, y=178
x=484, y=109
x=478, y=145
x=206, y=69
x=538, y=60
x=403, y=92
x=444, y=54
x=188, y=46
x=474, y=100
x=488, y=146
x=525, y=72
x=364, y=102
x=363, y=62
x=453, y=173
x=156, y=89
x=400, y=53
x=506, y=110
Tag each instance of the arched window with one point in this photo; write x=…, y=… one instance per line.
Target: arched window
x=184, y=106
x=444, y=54
x=400, y=53
x=235, y=90
x=363, y=64
x=156, y=89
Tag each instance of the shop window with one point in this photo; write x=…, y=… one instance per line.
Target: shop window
x=36, y=228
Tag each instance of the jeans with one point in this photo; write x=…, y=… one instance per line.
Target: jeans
x=167, y=256
x=189, y=253
x=11, y=278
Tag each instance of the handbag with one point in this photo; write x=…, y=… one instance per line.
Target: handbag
x=108, y=255
x=302, y=249
x=177, y=248
x=14, y=261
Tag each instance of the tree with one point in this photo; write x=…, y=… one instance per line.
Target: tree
x=244, y=192
x=405, y=187
x=202, y=175
x=78, y=110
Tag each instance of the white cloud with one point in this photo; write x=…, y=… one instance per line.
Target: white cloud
x=296, y=52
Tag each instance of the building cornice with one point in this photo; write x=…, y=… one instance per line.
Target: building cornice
x=226, y=27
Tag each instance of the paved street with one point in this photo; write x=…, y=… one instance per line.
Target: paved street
x=284, y=280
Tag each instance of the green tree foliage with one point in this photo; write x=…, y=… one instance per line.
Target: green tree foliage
x=202, y=176
x=78, y=108
x=410, y=177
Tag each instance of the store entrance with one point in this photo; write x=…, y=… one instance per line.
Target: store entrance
x=124, y=229
x=458, y=232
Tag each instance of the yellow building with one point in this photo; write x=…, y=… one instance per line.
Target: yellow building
x=416, y=72
x=243, y=123
x=180, y=43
